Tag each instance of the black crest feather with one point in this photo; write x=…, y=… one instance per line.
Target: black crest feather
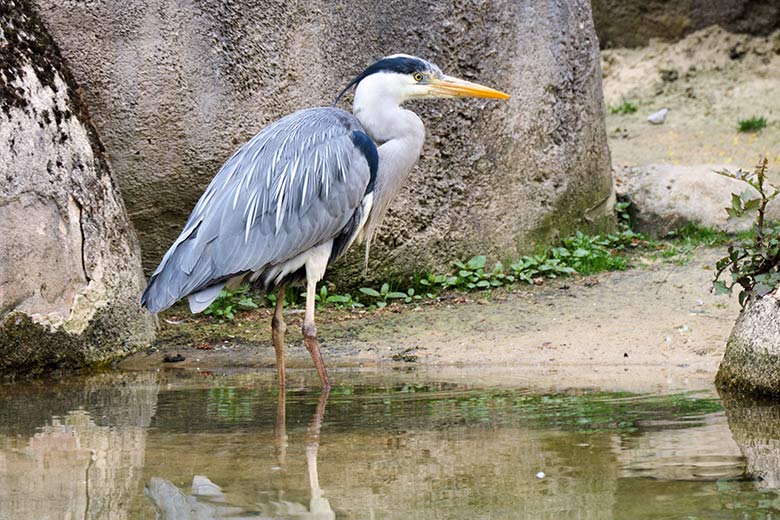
x=399, y=64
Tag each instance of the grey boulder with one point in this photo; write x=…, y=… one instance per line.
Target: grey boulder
x=70, y=271
x=751, y=362
x=666, y=197
x=175, y=88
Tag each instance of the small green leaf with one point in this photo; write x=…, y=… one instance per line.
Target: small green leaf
x=477, y=262
x=736, y=203
x=247, y=304
x=752, y=205
x=720, y=287
x=370, y=292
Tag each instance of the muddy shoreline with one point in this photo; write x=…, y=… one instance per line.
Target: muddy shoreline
x=652, y=327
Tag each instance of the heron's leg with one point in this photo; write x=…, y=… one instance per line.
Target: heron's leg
x=277, y=332
x=310, y=332
x=280, y=429
x=318, y=502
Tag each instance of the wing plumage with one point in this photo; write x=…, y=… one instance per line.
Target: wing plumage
x=296, y=184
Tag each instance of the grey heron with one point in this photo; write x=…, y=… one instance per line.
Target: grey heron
x=292, y=199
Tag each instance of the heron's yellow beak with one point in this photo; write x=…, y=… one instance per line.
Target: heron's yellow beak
x=448, y=86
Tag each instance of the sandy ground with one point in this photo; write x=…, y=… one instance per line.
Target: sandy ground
x=653, y=328
x=713, y=79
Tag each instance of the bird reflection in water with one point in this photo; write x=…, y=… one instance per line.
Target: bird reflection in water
x=207, y=500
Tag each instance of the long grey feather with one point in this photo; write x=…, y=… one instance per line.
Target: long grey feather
x=293, y=186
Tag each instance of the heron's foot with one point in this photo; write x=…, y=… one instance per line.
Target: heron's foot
x=313, y=346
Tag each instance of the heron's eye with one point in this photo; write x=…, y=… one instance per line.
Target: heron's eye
x=418, y=77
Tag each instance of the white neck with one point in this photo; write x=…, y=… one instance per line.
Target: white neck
x=377, y=106
x=399, y=135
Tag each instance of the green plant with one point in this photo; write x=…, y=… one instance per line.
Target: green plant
x=228, y=303
x=752, y=262
x=323, y=299
x=384, y=295
x=626, y=107
x=473, y=276
x=695, y=234
x=623, y=215
x=580, y=253
x=594, y=254
x=754, y=124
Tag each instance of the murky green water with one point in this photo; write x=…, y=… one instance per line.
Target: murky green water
x=197, y=446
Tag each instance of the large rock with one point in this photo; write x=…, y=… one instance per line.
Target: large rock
x=752, y=358
x=754, y=425
x=175, y=87
x=75, y=448
x=666, y=197
x=70, y=273
x=631, y=23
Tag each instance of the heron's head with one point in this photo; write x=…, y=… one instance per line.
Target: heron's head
x=401, y=77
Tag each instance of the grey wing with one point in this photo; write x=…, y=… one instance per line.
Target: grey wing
x=293, y=186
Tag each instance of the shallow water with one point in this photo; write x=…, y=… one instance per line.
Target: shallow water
x=184, y=445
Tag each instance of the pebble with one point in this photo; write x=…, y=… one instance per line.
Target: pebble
x=658, y=118
x=540, y=474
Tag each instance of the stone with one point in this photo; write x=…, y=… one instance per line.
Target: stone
x=666, y=197
x=751, y=362
x=70, y=272
x=753, y=423
x=175, y=88
x=658, y=118
x=77, y=448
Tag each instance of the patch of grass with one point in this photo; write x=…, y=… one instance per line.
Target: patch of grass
x=696, y=235
x=754, y=124
x=679, y=244
x=626, y=107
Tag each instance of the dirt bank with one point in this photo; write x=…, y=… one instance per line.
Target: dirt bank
x=708, y=81
x=651, y=328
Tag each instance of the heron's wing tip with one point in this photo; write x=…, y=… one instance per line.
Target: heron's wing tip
x=201, y=300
